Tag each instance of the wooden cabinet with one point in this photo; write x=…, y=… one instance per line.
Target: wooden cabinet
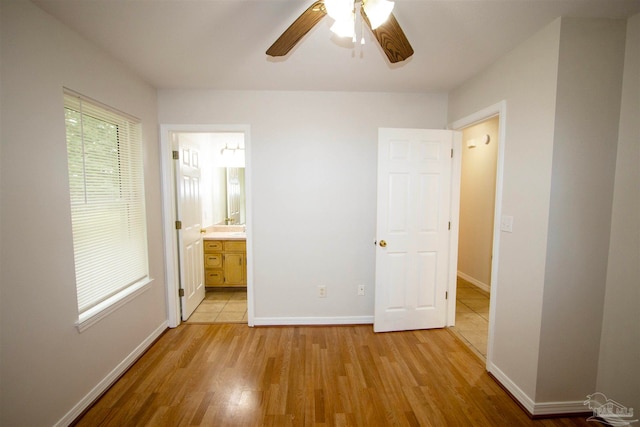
x=225, y=263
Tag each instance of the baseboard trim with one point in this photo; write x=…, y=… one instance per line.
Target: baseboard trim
x=560, y=409
x=344, y=320
x=111, y=378
x=516, y=393
x=537, y=410
x=473, y=281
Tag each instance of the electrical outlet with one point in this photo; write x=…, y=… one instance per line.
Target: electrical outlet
x=360, y=289
x=322, y=291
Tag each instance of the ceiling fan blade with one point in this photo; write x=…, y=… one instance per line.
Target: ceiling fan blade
x=298, y=29
x=391, y=38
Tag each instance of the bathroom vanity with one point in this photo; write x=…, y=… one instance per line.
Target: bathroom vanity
x=225, y=259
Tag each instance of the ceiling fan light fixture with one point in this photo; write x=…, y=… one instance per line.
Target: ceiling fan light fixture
x=342, y=12
x=344, y=27
x=377, y=11
x=339, y=10
x=374, y=13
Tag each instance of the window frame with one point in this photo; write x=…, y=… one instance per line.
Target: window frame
x=129, y=155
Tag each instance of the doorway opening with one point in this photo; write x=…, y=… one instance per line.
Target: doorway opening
x=207, y=225
x=481, y=173
x=475, y=239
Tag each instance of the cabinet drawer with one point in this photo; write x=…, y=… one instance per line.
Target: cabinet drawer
x=212, y=245
x=212, y=278
x=212, y=260
x=235, y=245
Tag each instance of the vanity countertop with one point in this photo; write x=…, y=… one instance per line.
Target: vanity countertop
x=225, y=235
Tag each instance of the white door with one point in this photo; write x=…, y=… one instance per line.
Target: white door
x=413, y=223
x=189, y=236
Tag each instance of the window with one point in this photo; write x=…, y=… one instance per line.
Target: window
x=106, y=186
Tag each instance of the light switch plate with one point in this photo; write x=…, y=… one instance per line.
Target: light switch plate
x=506, y=224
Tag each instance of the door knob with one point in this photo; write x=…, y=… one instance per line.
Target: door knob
x=383, y=244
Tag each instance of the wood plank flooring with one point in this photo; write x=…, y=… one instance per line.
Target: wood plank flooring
x=233, y=375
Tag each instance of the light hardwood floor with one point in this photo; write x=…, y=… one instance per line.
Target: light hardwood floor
x=233, y=375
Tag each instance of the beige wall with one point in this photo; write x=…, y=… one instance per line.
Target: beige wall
x=619, y=363
x=477, y=201
x=48, y=367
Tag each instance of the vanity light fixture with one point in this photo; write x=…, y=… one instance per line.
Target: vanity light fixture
x=233, y=150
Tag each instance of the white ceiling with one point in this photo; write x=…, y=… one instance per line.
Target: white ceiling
x=221, y=44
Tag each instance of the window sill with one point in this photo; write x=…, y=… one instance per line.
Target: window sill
x=105, y=308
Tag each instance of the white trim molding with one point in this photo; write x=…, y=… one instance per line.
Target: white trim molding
x=516, y=392
x=536, y=409
x=316, y=321
x=172, y=267
x=111, y=377
x=474, y=281
x=499, y=109
x=560, y=408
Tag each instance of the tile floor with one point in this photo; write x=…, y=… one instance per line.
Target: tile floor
x=225, y=305
x=472, y=316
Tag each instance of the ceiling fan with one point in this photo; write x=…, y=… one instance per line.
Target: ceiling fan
x=387, y=32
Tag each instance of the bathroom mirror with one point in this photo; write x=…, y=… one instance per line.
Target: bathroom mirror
x=228, y=196
x=222, y=175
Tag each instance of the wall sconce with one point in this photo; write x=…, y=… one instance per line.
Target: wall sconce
x=473, y=142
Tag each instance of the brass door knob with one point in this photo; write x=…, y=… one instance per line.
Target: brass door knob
x=383, y=244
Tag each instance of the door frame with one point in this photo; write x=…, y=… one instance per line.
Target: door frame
x=499, y=109
x=170, y=241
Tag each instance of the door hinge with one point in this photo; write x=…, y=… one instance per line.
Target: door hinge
x=452, y=153
x=180, y=292
x=175, y=154
x=178, y=225
x=446, y=294
x=449, y=225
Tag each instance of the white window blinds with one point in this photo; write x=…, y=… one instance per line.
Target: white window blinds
x=107, y=201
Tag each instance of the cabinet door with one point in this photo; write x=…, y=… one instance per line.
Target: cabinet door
x=234, y=269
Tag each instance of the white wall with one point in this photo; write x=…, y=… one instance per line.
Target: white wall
x=562, y=89
x=529, y=92
x=313, y=160
x=477, y=201
x=619, y=366
x=584, y=155
x=47, y=365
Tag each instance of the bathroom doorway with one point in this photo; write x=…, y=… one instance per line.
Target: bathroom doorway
x=479, y=233
x=226, y=199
